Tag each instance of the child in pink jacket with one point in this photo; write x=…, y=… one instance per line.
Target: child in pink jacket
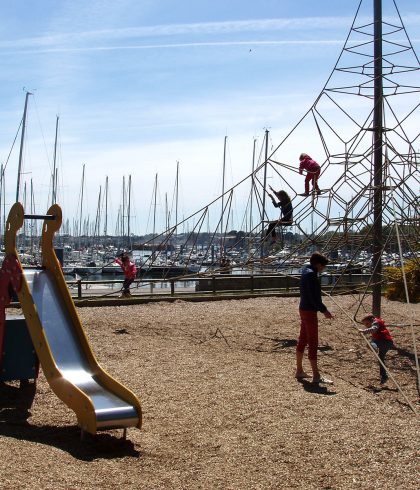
x=130, y=271
x=312, y=172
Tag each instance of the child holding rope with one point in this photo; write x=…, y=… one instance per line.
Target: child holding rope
x=382, y=341
x=283, y=202
x=130, y=271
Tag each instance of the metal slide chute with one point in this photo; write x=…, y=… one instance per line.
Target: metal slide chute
x=71, y=369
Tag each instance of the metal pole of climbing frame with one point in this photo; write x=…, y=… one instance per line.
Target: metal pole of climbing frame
x=377, y=161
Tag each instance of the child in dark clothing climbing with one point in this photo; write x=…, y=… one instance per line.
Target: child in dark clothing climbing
x=283, y=202
x=382, y=340
x=313, y=171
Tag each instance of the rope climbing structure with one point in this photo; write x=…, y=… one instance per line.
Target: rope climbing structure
x=362, y=131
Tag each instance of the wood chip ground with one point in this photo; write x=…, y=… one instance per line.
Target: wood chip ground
x=222, y=409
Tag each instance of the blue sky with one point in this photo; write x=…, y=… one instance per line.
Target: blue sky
x=140, y=85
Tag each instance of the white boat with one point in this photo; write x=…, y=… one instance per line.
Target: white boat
x=112, y=269
x=87, y=270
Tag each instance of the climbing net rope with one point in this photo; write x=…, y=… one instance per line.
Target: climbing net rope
x=340, y=123
x=339, y=130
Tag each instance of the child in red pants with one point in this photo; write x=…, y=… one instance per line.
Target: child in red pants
x=310, y=304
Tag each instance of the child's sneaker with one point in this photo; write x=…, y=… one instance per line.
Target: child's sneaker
x=323, y=380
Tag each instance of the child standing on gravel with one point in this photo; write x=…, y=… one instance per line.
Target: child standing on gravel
x=310, y=304
x=382, y=340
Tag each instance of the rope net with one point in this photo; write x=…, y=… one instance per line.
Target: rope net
x=337, y=131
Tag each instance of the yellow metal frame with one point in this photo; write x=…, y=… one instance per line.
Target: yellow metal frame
x=70, y=394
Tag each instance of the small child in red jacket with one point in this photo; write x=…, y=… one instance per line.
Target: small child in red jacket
x=130, y=271
x=381, y=340
x=313, y=170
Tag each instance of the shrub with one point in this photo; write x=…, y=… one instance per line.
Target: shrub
x=395, y=282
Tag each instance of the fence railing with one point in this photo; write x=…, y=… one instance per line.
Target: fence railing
x=210, y=284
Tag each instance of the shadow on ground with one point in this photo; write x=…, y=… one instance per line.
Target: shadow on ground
x=380, y=388
x=405, y=353
x=15, y=404
x=316, y=388
x=287, y=343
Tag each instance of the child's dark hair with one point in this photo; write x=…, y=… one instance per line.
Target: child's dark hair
x=283, y=196
x=369, y=318
x=318, y=258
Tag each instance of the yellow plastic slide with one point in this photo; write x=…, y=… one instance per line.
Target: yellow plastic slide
x=98, y=400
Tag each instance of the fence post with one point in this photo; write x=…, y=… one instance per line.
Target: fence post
x=79, y=289
x=172, y=282
x=213, y=283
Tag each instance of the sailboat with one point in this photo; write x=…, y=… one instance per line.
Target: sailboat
x=168, y=269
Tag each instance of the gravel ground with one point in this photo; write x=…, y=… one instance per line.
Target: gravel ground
x=221, y=407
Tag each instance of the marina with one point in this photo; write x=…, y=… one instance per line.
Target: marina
x=210, y=263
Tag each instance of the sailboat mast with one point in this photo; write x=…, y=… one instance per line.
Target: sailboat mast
x=1, y=199
x=98, y=215
x=22, y=139
x=24, y=221
x=32, y=221
x=166, y=225
x=377, y=161
x=263, y=192
x=106, y=207
x=81, y=205
x=252, y=186
x=176, y=196
x=123, y=209
x=4, y=199
x=129, y=211
x=166, y=213
x=56, y=183
x=223, y=194
x=54, y=176
x=154, y=209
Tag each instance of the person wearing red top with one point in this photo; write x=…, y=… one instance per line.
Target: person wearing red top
x=382, y=340
x=313, y=171
x=130, y=271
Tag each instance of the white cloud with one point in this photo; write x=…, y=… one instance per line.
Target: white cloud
x=250, y=42
x=228, y=27
x=72, y=40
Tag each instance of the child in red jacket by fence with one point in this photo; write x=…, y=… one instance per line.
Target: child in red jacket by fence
x=381, y=340
x=130, y=271
x=313, y=171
